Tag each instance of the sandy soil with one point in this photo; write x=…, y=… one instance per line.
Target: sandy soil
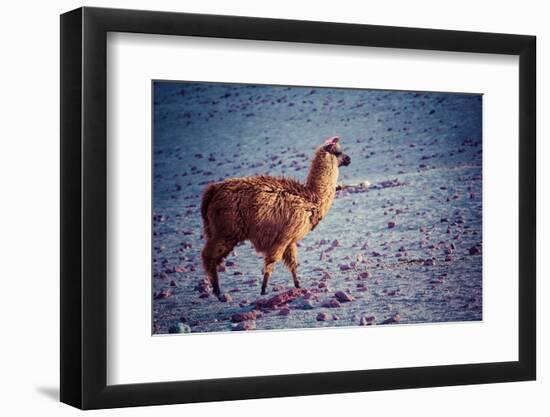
x=406, y=249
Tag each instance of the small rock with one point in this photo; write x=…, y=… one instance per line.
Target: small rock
x=179, y=328
x=367, y=320
x=281, y=299
x=322, y=317
x=165, y=293
x=284, y=311
x=391, y=225
x=331, y=303
x=306, y=305
x=475, y=250
x=225, y=298
x=244, y=325
x=343, y=297
x=308, y=296
x=393, y=319
x=203, y=286
x=363, y=275
x=238, y=317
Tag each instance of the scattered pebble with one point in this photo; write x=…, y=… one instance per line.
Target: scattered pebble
x=331, y=303
x=366, y=320
x=225, y=298
x=244, y=325
x=306, y=305
x=285, y=311
x=363, y=275
x=322, y=317
x=393, y=319
x=238, y=317
x=281, y=299
x=179, y=328
x=343, y=296
x=475, y=250
x=165, y=293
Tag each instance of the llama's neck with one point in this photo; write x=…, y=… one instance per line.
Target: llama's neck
x=321, y=180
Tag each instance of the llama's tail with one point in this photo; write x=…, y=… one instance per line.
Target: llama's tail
x=207, y=197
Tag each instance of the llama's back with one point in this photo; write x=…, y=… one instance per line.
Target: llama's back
x=263, y=209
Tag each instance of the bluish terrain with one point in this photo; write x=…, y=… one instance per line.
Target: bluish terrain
x=402, y=240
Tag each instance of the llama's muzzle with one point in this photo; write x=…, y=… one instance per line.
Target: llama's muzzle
x=345, y=160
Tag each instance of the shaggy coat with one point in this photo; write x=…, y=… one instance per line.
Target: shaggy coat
x=272, y=213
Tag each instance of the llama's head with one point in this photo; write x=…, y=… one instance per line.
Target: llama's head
x=332, y=147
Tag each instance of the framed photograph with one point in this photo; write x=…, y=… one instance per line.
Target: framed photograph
x=257, y=208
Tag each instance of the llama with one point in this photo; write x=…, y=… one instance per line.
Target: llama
x=272, y=213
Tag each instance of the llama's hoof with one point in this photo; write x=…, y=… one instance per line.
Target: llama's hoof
x=263, y=292
x=297, y=285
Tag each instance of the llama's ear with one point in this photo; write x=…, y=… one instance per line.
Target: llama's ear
x=332, y=141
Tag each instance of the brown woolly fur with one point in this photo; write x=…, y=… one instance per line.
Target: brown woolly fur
x=272, y=213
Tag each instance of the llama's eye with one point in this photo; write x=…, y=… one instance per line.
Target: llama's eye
x=337, y=153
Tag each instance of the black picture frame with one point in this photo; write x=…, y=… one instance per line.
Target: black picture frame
x=84, y=207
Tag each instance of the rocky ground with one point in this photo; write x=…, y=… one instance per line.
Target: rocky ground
x=401, y=244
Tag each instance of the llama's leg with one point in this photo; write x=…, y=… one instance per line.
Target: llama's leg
x=269, y=265
x=291, y=262
x=210, y=265
x=213, y=253
x=268, y=270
